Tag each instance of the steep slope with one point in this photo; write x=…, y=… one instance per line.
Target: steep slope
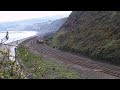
x=46, y=27
x=55, y=25
x=92, y=33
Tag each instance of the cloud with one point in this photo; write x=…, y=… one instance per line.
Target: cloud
x=21, y=15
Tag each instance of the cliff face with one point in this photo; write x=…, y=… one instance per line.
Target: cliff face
x=93, y=33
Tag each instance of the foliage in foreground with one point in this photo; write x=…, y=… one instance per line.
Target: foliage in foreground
x=11, y=70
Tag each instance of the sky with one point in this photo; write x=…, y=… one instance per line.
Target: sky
x=7, y=16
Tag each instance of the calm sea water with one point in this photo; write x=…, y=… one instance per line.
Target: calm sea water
x=16, y=35
x=13, y=36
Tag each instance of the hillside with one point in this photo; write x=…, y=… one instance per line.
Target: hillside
x=92, y=33
x=46, y=27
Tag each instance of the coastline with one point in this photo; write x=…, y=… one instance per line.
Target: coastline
x=11, y=45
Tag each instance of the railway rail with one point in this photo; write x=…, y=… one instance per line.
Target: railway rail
x=69, y=58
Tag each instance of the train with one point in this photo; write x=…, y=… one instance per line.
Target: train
x=41, y=40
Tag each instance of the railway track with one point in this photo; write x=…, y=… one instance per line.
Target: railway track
x=69, y=58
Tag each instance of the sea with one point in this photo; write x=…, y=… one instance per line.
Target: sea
x=13, y=36
x=16, y=35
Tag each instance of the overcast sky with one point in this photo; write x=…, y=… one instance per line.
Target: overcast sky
x=6, y=16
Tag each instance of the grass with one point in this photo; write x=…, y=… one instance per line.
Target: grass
x=42, y=69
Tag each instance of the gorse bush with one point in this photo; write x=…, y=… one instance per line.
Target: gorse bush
x=11, y=69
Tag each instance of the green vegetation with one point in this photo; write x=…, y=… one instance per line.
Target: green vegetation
x=42, y=69
x=10, y=69
x=55, y=43
x=92, y=33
